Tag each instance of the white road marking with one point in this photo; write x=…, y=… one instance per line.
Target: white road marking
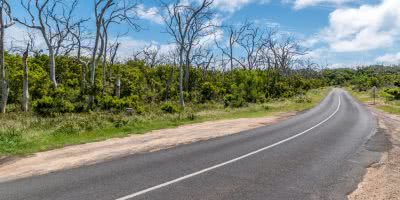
x=227, y=162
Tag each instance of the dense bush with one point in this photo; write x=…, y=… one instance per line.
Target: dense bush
x=47, y=106
x=231, y=100
x=141, y=85
x=208, y=91
x=394, y=92
x=168, y=107
x=110, y=103
x=397, y=83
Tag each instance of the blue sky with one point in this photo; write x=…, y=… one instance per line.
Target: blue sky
x=338, y=32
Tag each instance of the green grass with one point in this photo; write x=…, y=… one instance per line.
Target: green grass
x=22, y=134
x=382, y=101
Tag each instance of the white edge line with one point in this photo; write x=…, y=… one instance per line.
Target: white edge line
x=227, y=162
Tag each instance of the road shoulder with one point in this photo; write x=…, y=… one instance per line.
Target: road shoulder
x=382, y=179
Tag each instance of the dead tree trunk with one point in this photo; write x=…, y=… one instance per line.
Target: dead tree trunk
x=4, y=84
x=5, y=9
x=168, y=85
x=118, y=87
x=181, y=97
x=25, y=83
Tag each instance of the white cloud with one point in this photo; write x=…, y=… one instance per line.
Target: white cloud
x=389, y=59
x=365, y=28
x=150, y=14
x=300, y=4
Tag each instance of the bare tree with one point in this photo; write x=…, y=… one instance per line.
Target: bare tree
x=201, y=27
x=5, y=22
x=151, y=55
x=180, y=18
x=25, y=81
x=171, y=60
x=234, y=35
x=284, y=53
x=77, y=44
x=137, y=55
x=25, y=51
x=203, y=58
x=252, y=42
x=53, y=27
x=114, y=49
x=107, y=12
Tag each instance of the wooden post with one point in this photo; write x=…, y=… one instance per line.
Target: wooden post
x=374, y=93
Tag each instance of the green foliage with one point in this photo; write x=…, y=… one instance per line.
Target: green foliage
x=110, y=103
x=9, y=139
x=47, y=106
x=394, y=93
x=142, y=85
x=397, y=83
x=208, y=91
x=235, y=101
x=169, y=107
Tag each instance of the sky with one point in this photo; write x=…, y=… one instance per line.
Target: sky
x=337, y=33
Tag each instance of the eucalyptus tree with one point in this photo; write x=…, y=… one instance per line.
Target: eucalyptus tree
x=6, y=21
x=77, y=42
x=201, y=28
x=151, y=55
x=25, y=80
x=235, y=33
x=182, y=19
x=252, y=41
x=107, y=12
x=52, y=18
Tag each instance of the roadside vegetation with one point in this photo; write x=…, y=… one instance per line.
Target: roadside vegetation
x=385, y=100
x=387, y=83
x=24, y=133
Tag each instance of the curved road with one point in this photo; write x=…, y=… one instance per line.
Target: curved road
x=320, y=154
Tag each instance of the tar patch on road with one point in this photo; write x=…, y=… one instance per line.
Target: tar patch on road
x=379, y=142
x=370, y=153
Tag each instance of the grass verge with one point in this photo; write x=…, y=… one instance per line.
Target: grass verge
x=381, y=102
x=22, y=134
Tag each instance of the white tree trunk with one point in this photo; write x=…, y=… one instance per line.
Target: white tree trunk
x=3, y=79
x=181, y=97
x=118, y=87
x=83, y=77
x=52, y=65
x=25, y=87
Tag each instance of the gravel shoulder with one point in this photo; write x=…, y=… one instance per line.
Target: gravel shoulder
x=382, y=180
x=90, y=153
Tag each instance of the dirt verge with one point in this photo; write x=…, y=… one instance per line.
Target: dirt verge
x=90, y=153
x=382, y=180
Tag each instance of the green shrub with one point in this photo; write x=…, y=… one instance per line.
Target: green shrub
x=168, y=107
x=397, y=83
x=394, y=92
x=120, y=104
x=208, y=91
x=234, y=101
x=48, y=105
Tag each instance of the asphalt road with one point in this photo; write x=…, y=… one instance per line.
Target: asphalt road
x=319, y=154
